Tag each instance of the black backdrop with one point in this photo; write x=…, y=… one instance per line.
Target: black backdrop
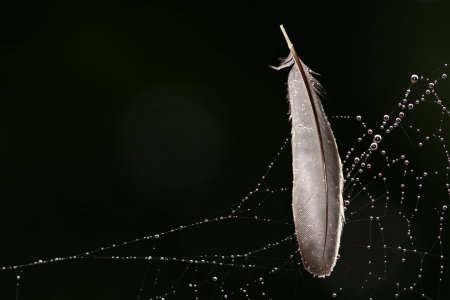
x=122, y=119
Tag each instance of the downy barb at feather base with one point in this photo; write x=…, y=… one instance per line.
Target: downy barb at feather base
x=317, y=171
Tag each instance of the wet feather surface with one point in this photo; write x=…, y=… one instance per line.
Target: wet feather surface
x=317, y=172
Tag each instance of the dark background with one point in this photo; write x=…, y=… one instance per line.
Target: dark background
x=123, y=119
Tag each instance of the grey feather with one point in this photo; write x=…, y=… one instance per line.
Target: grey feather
x=318, y=182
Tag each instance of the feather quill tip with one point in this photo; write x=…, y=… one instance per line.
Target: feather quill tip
x=288, y=41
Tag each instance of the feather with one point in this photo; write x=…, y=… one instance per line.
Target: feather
x=317, y=172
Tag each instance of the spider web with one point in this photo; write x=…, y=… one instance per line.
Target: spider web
x=394, y=241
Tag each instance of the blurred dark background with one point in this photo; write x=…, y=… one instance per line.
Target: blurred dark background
x=123, y=119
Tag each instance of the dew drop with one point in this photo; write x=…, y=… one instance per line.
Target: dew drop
x=414, y=78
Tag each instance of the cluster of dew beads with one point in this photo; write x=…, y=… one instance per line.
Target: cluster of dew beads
x=397, y=192
x=394, y=241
